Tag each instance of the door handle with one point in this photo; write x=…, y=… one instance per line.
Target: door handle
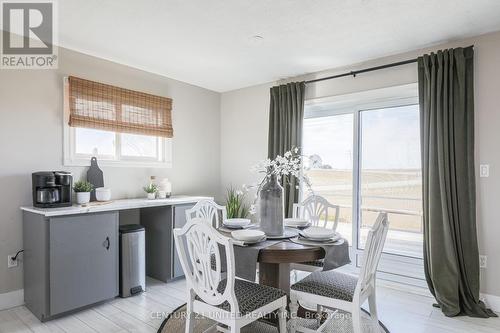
x=106, y=243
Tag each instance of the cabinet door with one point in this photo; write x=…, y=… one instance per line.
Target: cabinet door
x=83, y=260
x=179, y=222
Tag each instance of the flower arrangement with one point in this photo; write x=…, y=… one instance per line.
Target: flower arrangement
x=82, y=186
x=235, y=204
x=283, y=167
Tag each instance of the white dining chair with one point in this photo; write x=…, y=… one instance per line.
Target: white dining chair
x=336, y=290
x=231, y=302
x=317, y=210
x=209, y=210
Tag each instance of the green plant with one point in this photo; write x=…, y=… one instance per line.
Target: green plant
x=235, y=204
x=151, y=188
x=83, y=186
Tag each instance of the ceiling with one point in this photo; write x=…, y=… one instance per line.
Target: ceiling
x=210, y=44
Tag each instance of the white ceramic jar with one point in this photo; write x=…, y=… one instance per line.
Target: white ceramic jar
x=102, y=194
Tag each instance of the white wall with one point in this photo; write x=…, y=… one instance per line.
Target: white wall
x=244, y=119
x=31, y=114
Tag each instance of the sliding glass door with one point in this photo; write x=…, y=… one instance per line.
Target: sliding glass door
x=329, y=147
x=364, y=154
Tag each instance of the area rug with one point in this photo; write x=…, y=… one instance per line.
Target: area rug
x=176, y=321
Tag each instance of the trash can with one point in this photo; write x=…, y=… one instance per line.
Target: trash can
x=132, y=260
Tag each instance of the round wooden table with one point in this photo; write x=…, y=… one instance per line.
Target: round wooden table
x=274, y=262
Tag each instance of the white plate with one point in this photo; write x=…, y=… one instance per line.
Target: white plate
x=318, y=233
x=237, y=227
x=257, y=241
x=296, y=222
x=248, y=235
x=237, y=222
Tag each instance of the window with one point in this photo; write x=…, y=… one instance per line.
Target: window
x=113, y=148
x=364, y=155
x=118, y=126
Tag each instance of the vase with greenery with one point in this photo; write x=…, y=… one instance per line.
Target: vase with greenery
x=82, y=189
x=235, y=204
x=151, y=190
x=270, y=193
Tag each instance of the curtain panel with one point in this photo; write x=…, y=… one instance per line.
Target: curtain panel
x=286, y=114
x=451, y=255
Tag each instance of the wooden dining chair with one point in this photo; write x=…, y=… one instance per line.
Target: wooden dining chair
x=318, y=210
x=209, y=210
x=230, y=301
x=336, y=290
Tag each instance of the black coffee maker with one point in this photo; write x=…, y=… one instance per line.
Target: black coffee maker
x=52, y=189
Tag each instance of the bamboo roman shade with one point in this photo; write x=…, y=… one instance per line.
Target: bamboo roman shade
x=105, y=107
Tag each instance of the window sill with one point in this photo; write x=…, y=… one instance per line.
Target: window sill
x=120, y=164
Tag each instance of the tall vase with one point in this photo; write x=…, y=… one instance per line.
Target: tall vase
x=271, y=207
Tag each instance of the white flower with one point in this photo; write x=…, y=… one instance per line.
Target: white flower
x=252, y=209
x=295, y=150
x=239, y=192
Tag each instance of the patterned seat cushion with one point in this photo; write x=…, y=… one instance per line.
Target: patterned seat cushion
x=250, y=296
x=329, y=284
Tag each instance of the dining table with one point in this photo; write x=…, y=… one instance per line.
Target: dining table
x=275, y=260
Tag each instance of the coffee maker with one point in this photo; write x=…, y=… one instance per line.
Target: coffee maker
x=52, y=189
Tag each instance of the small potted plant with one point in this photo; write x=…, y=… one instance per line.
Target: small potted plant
x=82, y=189
x=151, y=190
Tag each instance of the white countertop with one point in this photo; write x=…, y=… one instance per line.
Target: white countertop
x=121, y=204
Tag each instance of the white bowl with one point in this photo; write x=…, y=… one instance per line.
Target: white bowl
x=102, y=194
x=293, y=222
x=248, y=235
x=237, y=222
x=318, y=233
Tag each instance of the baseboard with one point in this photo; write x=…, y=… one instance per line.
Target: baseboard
x=492, y=301
x=11, y=299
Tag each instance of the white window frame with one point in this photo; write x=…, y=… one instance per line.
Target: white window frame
x=394, y=267
x=71, y=158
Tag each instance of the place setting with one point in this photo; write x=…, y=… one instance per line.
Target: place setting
x=318, y=236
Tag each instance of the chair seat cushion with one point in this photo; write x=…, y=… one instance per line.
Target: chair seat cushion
x=250, y=296
x=330, y=284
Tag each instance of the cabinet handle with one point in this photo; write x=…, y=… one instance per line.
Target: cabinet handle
x=107, y=243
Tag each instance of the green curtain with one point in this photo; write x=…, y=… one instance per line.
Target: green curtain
x=286, y=114
x=451, y=255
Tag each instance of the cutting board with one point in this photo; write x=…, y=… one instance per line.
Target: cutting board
x=95, y=177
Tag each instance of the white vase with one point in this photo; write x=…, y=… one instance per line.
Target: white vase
x=82, y=197
x=151, y=196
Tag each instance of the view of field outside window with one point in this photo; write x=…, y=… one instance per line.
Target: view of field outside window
x=328, y=144
x=390, y=172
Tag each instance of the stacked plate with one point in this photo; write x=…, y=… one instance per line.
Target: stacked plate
x=237, y=223
x=318, y=234
x=297, y=223
x=249, y=236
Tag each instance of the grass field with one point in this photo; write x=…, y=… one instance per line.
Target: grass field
x=398, y=192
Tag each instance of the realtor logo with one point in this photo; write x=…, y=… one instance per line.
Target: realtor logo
x=28, y=35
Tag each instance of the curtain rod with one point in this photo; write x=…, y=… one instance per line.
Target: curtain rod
x=371, y=69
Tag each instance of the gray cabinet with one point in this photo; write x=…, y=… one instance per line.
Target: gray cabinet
x=179, y=222
x=83, y=260
x=70, y=261
x=162, y=262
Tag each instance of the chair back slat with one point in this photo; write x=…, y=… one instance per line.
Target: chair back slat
x=373, y=251
x=208, y=210
x=317, y=210
x=198, y=245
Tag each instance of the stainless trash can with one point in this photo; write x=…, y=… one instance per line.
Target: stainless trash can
x=132, y=260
